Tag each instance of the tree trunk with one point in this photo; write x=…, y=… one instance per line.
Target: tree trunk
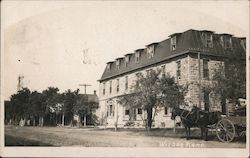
x=34, y=121
x=63, y=119
x=149, y=119
x=41, y=121
x=85, y=120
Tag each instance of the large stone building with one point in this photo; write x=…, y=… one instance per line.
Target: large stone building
x=178, y=55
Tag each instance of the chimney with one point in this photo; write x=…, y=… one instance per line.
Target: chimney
x=94, y=92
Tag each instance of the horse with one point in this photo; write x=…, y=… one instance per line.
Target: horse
x=196, y=118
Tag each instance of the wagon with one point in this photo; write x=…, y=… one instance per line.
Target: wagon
x=230, y=126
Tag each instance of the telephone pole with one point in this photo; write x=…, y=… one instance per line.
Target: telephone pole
x=19, y=84
x=85, y=87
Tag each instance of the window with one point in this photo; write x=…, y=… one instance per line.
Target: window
x=137, y=57
x=139, y=111
x=178, y=72
x=110, y=110
x=173, y=43
x=207, y=39
x=163, y=70
x=126, y=112
x=137, y=79
x=148, y=72
x=150, y=51
x=165, y=110
x=108, y=67
x=103, y=88
x=243, y=43
x=117, y=85
x=118, y=64
x=228, y=43
x=205, y=69
x=126, y=82
x=110, y=87
x=127, y=60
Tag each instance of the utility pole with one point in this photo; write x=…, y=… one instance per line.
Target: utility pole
x=19, y=84
x=85, y=90
x=85, y=87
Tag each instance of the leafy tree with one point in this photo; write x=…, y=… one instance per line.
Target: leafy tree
x=229, y=80
x=153, y=91
x=20, y=104
x=50, y=100
x=85, y=107
x=37, y=108
x=69, y=101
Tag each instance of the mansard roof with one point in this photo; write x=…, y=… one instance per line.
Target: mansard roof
x=189, y=41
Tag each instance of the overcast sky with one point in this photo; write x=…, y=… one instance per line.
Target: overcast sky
x=64, y=44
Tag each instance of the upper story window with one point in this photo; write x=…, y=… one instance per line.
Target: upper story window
x=178, y=72
x=110, y=87
x=137, y=79
x=138, y=55
x=173, y=43
x=103, y=88
x=126, y=82
x=117, y=85
x=226, y=41
x=148, y=72
x=118, y=64
x=127, y=60
x=139, y=111
x=109, y=67
x=243, y=43
x=151, y=50
x=205, y=69
x=207, y=39
x=163, y=70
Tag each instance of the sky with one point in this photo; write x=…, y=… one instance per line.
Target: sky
x=67, y=43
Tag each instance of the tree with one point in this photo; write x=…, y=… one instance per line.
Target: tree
x=50, y=101
x=69, y=100
x=229, y=80
x=20, y=105
x=153, y=91
x=36, y=108
x=85, y=107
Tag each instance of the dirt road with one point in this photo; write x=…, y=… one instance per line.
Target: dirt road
x=93, y=137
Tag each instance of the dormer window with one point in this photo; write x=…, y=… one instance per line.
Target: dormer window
x=137, y=55
x=108, y=67
x=243, y=43
x=151, y=50
x=127, y=59
x=173, y=43
x=226, y=41
x=118, y=64
x=207, y=39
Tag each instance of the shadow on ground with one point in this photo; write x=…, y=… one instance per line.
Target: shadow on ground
x=16, y=141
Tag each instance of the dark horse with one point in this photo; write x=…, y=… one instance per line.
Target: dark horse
x=196, y=118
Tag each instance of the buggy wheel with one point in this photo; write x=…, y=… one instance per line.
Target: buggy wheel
x=225, y=130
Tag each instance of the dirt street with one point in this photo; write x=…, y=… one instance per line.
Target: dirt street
x=95, y=137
